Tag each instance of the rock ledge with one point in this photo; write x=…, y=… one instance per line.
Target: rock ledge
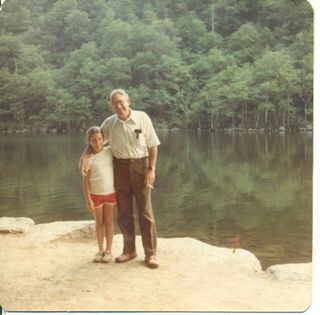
x=50, y=268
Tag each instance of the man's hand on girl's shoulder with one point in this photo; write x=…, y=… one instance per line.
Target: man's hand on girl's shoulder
x=83, y=167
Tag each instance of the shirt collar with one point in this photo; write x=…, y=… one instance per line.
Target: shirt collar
x=132, y=117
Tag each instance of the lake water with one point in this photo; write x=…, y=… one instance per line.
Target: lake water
x=219, y=187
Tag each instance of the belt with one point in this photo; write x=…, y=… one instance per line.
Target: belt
x=130, y=160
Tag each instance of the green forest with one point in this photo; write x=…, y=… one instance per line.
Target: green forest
x=240, y=64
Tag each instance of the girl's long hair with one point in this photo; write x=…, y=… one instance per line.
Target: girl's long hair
x=91, y=131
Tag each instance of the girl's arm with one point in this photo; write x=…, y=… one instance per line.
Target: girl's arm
x=86, y=190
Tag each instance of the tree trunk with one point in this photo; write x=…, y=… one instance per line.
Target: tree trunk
x=212, y=20
x=216, y=119
x=242, y=117
x=305, y=114
x=257, y=118
x=15, y=67
x=266, y=117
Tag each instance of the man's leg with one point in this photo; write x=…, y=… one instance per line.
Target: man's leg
x=125, y=205
x=146, y=219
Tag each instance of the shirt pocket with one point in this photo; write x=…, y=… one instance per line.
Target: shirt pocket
x=139, y=139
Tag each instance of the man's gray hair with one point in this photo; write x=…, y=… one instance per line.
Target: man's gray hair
x=118, y=91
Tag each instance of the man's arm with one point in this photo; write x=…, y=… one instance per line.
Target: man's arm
x=83, y=163
x=151, y=174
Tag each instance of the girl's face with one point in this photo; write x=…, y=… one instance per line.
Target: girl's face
x=96, y=142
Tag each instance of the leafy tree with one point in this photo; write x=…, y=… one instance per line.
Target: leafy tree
x=29, y=59
x=301, y=51
x=191, y=30
x=218, y=64
x=76, y=32
x=113, y=39
x=276, y=79
x=249, y=42
x=10, y=47
x=16, y=19
x=207, y=66
x=286, y=18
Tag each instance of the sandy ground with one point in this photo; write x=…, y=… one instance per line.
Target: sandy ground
x=193, y=276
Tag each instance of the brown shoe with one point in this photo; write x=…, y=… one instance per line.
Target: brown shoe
x=125, y=257
x=151, y=262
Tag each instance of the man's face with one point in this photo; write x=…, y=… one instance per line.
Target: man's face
x=120, y=105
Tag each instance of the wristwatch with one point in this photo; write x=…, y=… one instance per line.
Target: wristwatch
x=151, y=168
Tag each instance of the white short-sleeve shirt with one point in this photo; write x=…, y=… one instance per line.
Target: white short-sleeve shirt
x=130, y=139
x=101, y=172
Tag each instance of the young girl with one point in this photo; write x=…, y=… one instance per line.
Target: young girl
x=99, y=191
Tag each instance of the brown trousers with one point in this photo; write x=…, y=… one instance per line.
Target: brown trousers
x=129, y=177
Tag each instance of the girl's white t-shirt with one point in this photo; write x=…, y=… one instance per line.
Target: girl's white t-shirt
x=101, y=172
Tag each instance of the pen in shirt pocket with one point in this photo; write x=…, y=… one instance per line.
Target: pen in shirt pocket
x=137, y=132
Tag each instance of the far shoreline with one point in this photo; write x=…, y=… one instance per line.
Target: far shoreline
x=54, y=131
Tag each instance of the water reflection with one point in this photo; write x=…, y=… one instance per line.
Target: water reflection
x=254, y=185
x=209, y=186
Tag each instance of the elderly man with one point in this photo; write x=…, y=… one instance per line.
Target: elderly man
x=134, y=146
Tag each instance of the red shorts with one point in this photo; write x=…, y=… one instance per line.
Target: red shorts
x=99, y=200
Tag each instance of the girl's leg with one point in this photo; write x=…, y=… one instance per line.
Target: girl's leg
x=98, y=215
x=108, y=224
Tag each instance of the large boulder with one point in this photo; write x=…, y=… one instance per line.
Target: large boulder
x=63, y=230
x=193, y=276
x=203, y=254
x=291, y=271
x=15, y=225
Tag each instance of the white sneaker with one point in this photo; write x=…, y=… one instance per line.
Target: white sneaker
x=107, y=257
x=98, y=257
